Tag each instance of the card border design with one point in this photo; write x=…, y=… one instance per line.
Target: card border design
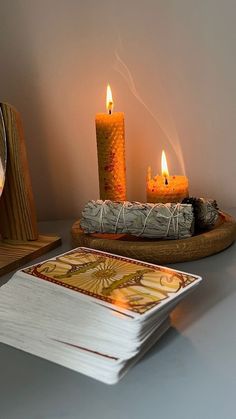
x=32, y=270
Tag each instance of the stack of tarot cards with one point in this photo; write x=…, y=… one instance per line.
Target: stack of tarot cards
x=90, y=311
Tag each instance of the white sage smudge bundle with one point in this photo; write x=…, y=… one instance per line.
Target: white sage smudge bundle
x=206, y=212
x=156, y=221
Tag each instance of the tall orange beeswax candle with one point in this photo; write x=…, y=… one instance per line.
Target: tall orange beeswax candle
x=166, y=188
x=110, y=133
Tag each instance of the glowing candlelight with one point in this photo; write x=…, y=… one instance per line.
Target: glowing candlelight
x=109, y=100
x=164, y=167
x=110, y=133
x=166, y=188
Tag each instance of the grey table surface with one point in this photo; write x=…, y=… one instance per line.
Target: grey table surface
x=190, y=373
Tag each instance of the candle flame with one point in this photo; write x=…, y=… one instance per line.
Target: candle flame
x=164, y=167
x=109, y=101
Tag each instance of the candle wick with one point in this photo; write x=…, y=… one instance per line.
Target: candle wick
x=166, y=181
x=109, y=111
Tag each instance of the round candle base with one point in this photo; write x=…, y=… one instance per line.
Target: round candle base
x=175, y=190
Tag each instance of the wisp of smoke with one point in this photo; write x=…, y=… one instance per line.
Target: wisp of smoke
x=124, y=71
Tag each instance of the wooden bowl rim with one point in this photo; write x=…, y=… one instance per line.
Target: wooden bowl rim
x=164, y=251
x=227, y=223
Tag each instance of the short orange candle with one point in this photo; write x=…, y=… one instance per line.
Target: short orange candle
x=166, y=188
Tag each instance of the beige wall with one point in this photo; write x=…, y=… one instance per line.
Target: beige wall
x=172, y=67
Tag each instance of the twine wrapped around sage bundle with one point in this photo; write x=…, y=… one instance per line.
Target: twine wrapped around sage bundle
x=157, y=221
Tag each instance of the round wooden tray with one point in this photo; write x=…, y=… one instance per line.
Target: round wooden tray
x=161, y=251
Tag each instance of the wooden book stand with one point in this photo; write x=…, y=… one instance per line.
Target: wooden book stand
x=20, y=241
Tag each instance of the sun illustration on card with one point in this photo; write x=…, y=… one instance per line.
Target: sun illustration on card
x=133, y=285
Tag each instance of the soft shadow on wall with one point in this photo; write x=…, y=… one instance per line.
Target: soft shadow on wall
x=171, y=68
